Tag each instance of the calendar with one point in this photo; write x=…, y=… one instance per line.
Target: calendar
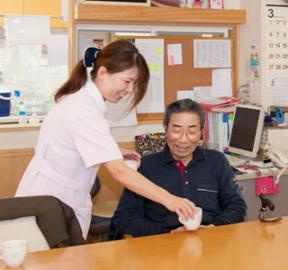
x=276, y=35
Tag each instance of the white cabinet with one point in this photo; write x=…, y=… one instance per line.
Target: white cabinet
x=34, y=7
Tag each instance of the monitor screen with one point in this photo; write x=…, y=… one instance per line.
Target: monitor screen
x=246, y=130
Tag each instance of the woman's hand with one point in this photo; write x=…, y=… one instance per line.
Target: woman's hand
x=130, y=154
x=184, y=208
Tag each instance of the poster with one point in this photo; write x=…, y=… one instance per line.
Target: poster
x=153, y=52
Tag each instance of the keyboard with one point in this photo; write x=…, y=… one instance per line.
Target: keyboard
x=235, y=161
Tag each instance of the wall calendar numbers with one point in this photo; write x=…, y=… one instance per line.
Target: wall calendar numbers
x=276, y=35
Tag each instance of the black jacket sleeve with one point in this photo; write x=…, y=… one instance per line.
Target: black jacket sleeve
x=230, y=199
x=129, y=218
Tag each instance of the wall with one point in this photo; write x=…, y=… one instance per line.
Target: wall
x=250, y=34
x=253, y=33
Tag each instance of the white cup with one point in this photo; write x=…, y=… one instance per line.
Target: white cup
x=193, y=224
x=13, y=252
x=132, y=164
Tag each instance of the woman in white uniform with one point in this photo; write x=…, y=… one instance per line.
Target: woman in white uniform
x=75, y=140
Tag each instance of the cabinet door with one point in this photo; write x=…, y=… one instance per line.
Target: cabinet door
x=10, y=7
x=13, y=163
x=45, y=7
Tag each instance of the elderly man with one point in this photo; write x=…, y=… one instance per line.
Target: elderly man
x=184, y=169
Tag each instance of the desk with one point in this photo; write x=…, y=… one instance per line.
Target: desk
x=250, y=245
x=247, y=187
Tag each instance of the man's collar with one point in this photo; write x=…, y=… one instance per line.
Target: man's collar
x=167, y=157
x=94, y=92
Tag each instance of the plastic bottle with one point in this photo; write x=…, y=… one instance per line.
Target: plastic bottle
x=34, y=118
x=244, y=93
x=14, y=103
x=21, y=108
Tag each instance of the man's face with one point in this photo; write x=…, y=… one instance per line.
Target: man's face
x=183, y=134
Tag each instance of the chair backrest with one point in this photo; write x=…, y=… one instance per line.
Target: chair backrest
x=96, y=187
x=101, y=215
x=24, y=228
x=56, y=220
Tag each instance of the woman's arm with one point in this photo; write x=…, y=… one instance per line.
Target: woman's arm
x=141, y=185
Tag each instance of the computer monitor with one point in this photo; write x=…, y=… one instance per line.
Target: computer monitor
x=246, y=130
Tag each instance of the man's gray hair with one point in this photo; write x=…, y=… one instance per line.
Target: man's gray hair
x=186, y=105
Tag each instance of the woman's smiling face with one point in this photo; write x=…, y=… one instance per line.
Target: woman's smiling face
x=115, y=86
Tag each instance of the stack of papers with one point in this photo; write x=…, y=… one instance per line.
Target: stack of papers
x=213, y=103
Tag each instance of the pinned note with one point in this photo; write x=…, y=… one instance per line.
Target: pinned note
x=212, y=53
x=152, y=50
x=221, y=82
x=174, y=53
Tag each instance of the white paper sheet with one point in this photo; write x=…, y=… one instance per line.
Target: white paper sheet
x=27, y=29
x=153, y=51
x=21, y=63
x=198, y=94
x=212, y=53
x=182, y=94
x=118, y=116
x=221, y=82
x=57, y=50
x=280, y=91
x=203, y=92
x=174, y=54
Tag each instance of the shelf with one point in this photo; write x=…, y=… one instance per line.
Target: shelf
x=158, y=15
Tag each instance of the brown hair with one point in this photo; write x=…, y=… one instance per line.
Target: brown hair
x=115, y=57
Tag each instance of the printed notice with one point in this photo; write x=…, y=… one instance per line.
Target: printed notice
x=221, y=83
x=153, y=52
x=212, y=53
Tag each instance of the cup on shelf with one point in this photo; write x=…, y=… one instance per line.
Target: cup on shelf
x=13, y=252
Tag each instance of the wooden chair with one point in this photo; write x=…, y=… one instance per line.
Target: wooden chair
x=44, y=221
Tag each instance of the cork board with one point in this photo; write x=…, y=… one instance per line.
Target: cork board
x=181, y=77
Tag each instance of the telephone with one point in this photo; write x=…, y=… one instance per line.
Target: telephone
x=279, y=158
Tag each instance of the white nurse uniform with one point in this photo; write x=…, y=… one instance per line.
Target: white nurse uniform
x=73, y=142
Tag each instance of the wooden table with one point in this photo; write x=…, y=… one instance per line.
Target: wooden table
x=250, y=245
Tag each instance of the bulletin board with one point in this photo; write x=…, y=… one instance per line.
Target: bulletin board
x=184, y=76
